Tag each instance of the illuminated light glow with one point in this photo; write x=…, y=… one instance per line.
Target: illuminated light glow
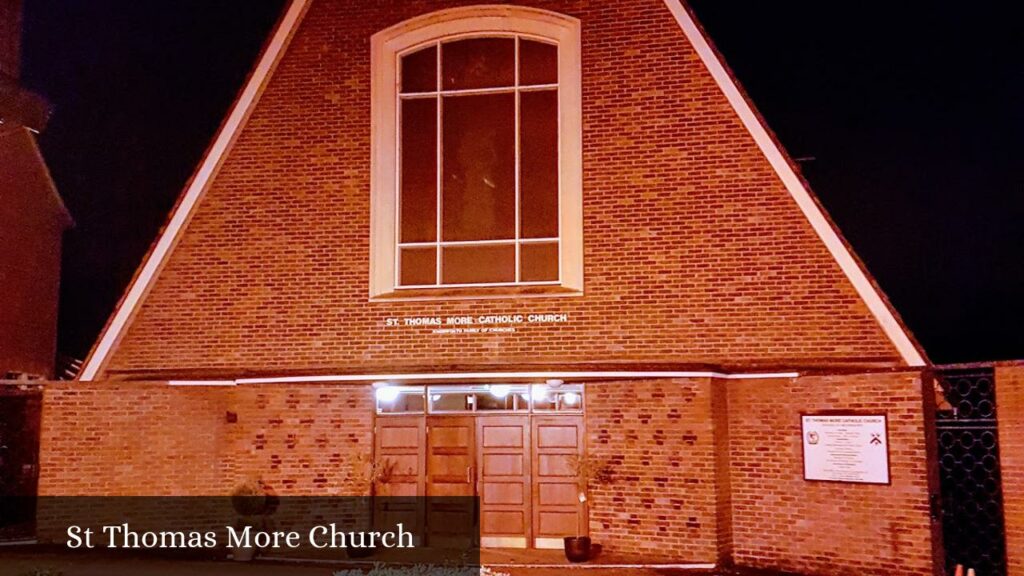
x=539, y=391
x=387, y=394
x=500, y=390
x=571, y=398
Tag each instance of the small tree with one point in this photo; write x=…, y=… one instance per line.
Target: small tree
x=590, y=472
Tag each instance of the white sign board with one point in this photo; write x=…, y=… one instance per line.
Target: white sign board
x=846, y=448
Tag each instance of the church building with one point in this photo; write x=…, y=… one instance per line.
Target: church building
x=487, y=246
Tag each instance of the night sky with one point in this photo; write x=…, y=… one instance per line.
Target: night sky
x=908, y=118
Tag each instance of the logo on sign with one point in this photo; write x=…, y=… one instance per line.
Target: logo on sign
x=813, y=438
x=876, y=439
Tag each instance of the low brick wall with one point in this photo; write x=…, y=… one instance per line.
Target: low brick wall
x=152, y=439
x=133, y=440
x=659, y=436
x=706, y=470
x=1010, y=410
x=780, y=521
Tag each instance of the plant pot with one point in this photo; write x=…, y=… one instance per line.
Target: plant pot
x=362, y=552
x=577, y=548
x=243, y=554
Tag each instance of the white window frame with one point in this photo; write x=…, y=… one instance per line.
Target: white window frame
x=387, y=47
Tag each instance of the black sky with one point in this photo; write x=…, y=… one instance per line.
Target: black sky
x=912, y=111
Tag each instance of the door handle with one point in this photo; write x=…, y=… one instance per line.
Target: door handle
x=469, y=474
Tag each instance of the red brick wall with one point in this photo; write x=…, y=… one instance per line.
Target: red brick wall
x=1010, y=410
x=703, y=470
x=694, y=251
x=153, y=439
x=302, y=439
x=30, y=259
x=780, y=521
x=659, y=437
x=10, y=37
x=132, y=440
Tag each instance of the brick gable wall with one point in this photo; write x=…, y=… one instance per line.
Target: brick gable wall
x=694, y=251
x=780, y=521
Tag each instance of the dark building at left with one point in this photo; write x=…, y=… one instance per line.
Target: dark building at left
x=34, y=219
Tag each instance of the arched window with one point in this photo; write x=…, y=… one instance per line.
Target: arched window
x=476, y=154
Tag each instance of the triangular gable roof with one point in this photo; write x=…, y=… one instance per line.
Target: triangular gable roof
x=810, y=207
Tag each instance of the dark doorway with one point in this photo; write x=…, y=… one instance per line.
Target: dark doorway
x=19, y=463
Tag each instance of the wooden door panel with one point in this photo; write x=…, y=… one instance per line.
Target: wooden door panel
x=557, y=524
x=504, y=480
x=504, y=464
x=496, y=436
x=511, y=493
x=399, y=434
x=557, y=511
x=557, y=435
x=550, y=494
x=554, y=465
x=451, y=485
x=400, y=443
x=504, y=523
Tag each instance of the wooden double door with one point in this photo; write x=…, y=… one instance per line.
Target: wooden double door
x=519, y=468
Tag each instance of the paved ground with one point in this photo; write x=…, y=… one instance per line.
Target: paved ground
x=20, y=563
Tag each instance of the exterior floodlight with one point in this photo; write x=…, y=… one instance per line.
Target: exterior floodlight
x=387, y=394
x=500, y=390
x=555, y=383
x=571, y=398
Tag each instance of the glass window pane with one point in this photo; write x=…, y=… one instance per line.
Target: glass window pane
x=479, y=167
x=539, y=164
x=419, y=170
x=569, y=399
x=478, y=63
x=498, y=397
x=539, y=262
x=452, y=401
x=478, y=264
x=411, y=401
x=418, y=266
x=538, y=63
x=419, y=71
x=493, y=403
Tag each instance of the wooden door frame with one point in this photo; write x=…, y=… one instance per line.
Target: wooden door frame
x=531, y=419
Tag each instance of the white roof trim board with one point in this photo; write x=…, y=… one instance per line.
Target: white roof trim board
x=275, y=49
x=487, y=376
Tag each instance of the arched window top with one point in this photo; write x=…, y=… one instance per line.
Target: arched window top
x=478, y=20
x=476, y=178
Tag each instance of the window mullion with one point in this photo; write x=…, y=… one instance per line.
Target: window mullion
x=518, y=209
x=440, y=167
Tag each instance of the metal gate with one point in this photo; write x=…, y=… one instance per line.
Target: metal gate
x=19, y=462
x=970, y=478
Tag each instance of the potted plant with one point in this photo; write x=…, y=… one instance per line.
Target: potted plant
x=250, y=501
x=589, y=472
x=369, y=473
